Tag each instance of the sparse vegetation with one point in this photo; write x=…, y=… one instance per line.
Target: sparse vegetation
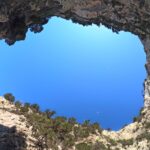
x=140, y=116
x=147, y=125
x=145, y=135
x=112, y=142
x=9, y=97
x=126, y=142
x=83, y=146
x=137, y=119
x=92, y=146
x=51, y=131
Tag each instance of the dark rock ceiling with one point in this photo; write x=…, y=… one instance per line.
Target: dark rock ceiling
x=17, y=16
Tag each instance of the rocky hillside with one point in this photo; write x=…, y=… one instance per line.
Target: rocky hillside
x=14, y=133
x=25, y=127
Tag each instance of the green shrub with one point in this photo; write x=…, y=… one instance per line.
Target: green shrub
x=83, y=146
x=54, y=131
x=81, y=132
x=126, y=142
x=112, y=142
x=145, y=135
x=137, y=119
x=18, y=104
x=147, y=125
x=9, y=97
x=99, y=146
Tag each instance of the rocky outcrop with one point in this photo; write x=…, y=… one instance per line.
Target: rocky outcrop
x=128, y=15
x=17, y=16
x=15, y=134
x=18, y=132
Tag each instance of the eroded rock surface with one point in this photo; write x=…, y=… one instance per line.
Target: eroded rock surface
x=14, y=132
x=17, y=16
x=17, y=132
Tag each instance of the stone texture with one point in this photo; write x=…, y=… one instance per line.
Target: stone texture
x=17, y=16
x=14, y=132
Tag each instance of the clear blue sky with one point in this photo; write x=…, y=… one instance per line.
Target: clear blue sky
x=84, y=72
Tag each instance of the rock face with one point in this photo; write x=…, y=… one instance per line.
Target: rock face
x=128, y=15
x=17, y=16
x=14, y=132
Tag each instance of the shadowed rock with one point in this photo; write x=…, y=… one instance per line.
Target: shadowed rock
x=10, y=139
x=128, y=15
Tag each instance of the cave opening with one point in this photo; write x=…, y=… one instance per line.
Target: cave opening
x=89, y=73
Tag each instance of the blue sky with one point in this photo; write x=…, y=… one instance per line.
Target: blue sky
x=85, y=72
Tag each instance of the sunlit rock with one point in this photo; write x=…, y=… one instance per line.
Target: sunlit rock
x=17, y=16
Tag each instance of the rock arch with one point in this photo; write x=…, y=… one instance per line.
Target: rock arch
x=17, y=16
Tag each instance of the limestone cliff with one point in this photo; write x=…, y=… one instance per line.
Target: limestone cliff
x=14, y=133
x=17, y=16
x=22, y=129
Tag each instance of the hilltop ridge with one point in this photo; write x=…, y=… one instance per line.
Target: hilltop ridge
x=25, y=127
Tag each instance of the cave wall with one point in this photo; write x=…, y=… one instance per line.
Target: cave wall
x=17, y=16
